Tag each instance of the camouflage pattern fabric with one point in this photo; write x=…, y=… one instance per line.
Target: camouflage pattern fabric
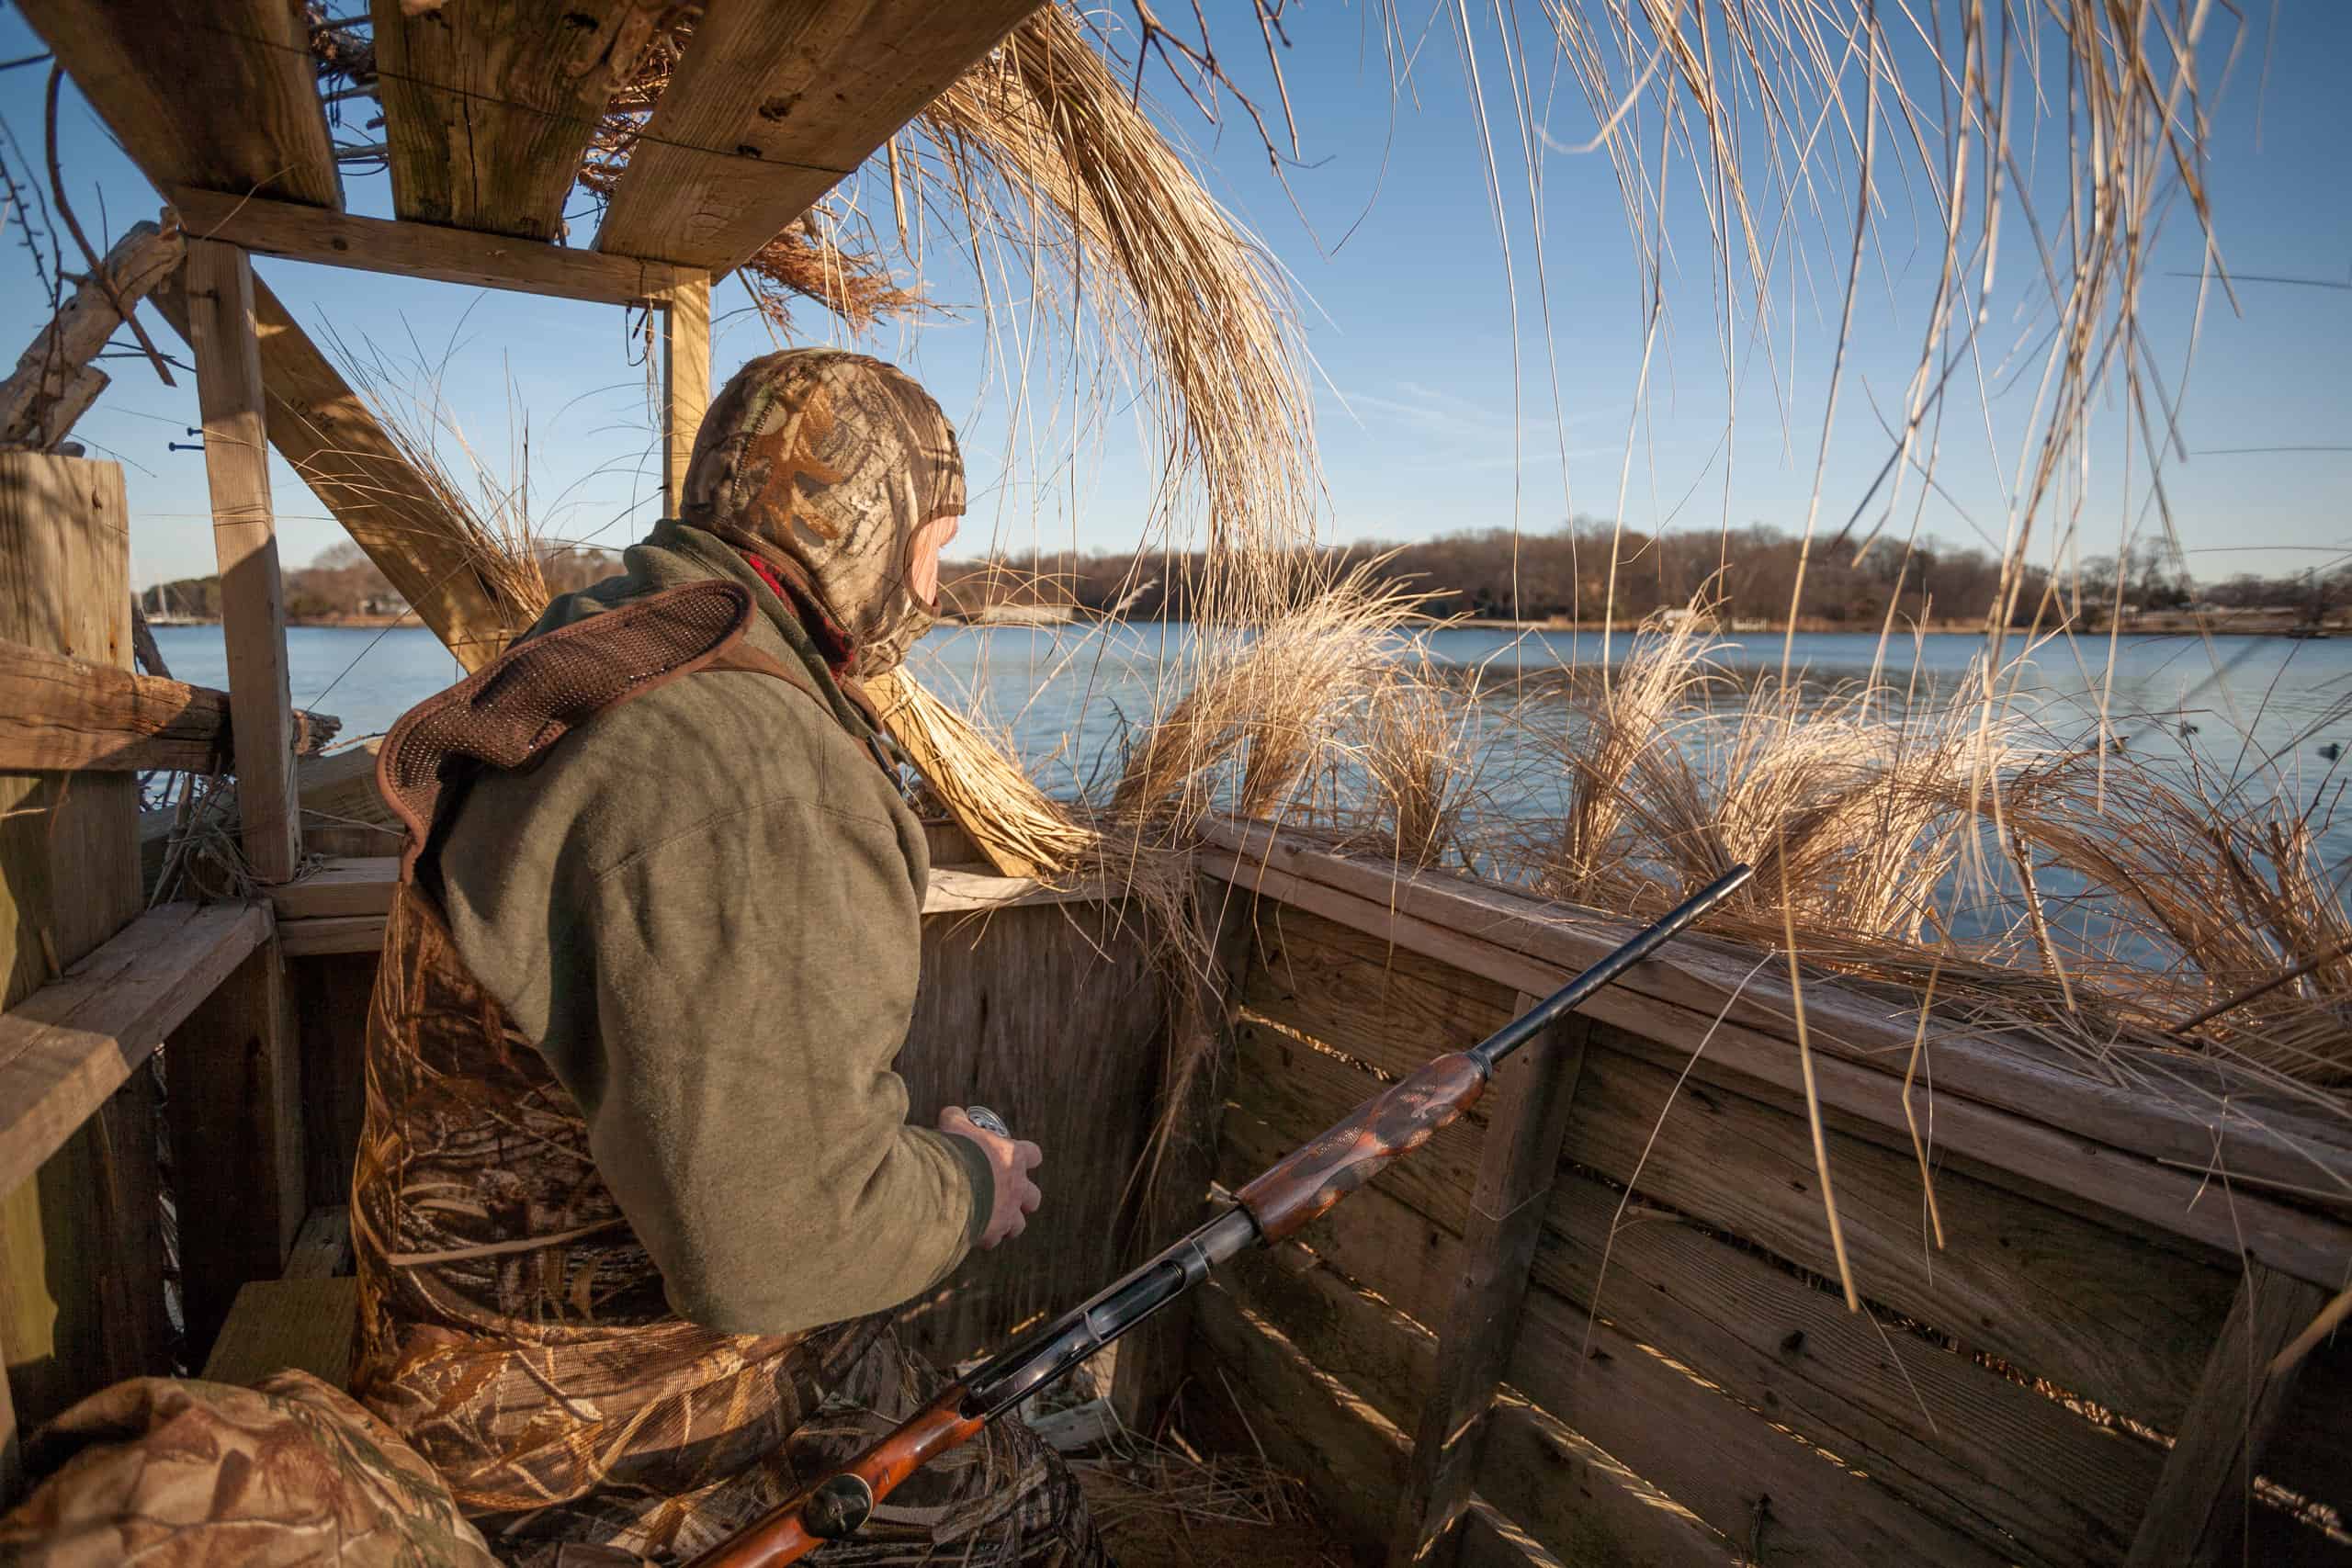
x=184, y=1474
x=831, y=463
x=513, y=1330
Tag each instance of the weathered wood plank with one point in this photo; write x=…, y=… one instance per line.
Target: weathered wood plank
x=2106, y=1314
x=321, y=1248
x=685, y=386
x=1531, y=1095
x=81, y=1254
x=342, y=451
x=2201, y=1502
x=69, y=715
x=1324, y=1372
x=2178, y=1110
x=1386, y=1006
x=421, y=250
x=1724, y=1462
x=220, y=287
x=339, y=887
x=236, y=1116
x=277, y=1324
x=332, y=994
x=489, y=105
x=1582, y=1504
x=159, y=75
x=773, y=105
x=1150, y=1366
x=2052, y=1164
x=1985, y=1454
x=69, y=1044
x=2311, y=1452
x=1380, y=1355
x=1258, y=1394
x=35, y=401
x=1013, y=1005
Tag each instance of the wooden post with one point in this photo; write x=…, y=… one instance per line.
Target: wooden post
x=1150, y=1363
x=1531, y=1095
x=81, y=1261
x=685, y=379
x=2199, y=1509
x=220, y=289
x=237, y=1149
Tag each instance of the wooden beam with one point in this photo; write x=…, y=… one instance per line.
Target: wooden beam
x=774, y=103
x=244, y=539
x=489, y=105
x=1675, y=996
x=685, y=381
x=54, y=372
x=339, y=890
x=56, y=420
x=1517, y=1159
x=2200, y=1508
x=237, y=1115
x=67, y=715
x=73, y=1043
x=357, y=469
x=222, y=95
x=421, y=250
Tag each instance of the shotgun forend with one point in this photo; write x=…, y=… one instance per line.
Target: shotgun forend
x=1389, y=1125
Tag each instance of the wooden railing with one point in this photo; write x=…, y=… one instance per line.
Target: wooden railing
x=1603, y=1317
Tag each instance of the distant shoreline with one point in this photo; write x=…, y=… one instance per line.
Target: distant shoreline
x=2156, y=624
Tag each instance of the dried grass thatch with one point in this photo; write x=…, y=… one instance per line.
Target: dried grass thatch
x=1041, y=164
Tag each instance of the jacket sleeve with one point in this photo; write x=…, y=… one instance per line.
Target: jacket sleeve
x=750, y=981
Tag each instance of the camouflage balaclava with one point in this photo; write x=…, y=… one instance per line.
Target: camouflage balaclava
x=828, y=465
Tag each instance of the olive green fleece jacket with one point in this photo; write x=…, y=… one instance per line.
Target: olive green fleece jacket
x=703, y=908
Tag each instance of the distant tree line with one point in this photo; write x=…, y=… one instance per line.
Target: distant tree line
x=1750, y=573
x=341, y=583
x=1489, y=573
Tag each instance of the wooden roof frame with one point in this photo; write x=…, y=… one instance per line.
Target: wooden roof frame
x=489, y=108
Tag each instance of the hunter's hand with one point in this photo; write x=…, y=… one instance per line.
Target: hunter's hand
x=1010, y=1160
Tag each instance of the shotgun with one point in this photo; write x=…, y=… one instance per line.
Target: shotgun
x=1295, y=1190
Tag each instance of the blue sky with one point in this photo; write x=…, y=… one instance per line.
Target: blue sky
x=1434, y=395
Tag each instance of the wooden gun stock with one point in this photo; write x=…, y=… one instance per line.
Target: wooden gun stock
x=838, y=1504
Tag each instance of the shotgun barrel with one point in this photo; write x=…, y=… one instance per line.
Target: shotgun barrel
x=1297, y=1188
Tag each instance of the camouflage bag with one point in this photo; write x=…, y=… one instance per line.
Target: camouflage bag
x=184, y=1474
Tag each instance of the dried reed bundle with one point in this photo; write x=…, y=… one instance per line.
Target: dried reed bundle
x=1022, y=832
x=2227, y=882
x=1267, y=693
x=1412, y=741
x=1851, y=806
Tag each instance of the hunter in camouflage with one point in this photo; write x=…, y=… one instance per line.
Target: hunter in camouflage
x=636, y=1189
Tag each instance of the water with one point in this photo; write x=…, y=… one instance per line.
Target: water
x=1066, y=695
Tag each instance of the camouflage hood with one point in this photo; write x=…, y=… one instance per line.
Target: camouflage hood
x=828, y=465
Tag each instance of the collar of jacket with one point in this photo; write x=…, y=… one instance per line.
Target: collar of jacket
x=676, y=554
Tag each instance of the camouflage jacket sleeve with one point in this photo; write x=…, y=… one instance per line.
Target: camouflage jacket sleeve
x=705, y=910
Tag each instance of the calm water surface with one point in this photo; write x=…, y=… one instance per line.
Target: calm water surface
x=1067, y=695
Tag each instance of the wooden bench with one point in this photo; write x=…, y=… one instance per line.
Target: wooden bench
x=305, y=1320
